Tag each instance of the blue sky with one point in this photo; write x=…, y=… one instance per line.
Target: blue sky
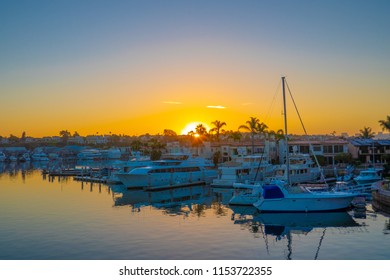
x=56, y=52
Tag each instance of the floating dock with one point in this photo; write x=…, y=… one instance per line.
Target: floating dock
x=162, y=187
x=90, y=179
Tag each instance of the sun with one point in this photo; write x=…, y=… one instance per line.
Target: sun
x=192, y=127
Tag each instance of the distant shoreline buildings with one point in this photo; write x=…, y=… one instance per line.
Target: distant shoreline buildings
x=331, y=149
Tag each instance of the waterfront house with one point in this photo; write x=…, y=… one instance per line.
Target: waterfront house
x=326, y=146
x=369, y=151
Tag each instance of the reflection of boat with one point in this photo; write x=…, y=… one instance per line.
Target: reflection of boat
x=2, y=157
x=168, y=172
x=12, y=158
x=306, y=220
x=283, y=196
x=284, y=226
x=289, y=224
x=162, y=198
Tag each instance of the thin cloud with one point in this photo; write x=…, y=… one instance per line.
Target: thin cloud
x=216, y=107
x=172, y=102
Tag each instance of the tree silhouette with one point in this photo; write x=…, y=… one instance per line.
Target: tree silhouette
x=201, y=130
x=234, y=135
x=366, y=133
x=385, y=124
x=65, y=134
x=254, y=126
x=217, y=128
x=169, y=132
x=23, y=138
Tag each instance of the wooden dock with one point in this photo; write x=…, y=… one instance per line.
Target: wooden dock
x=90, y=179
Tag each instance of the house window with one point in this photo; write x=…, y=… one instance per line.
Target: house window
x=317, y=148
x=338, y=149
x=328, y=149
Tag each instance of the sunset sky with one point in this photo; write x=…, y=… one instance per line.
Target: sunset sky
x=142, y=66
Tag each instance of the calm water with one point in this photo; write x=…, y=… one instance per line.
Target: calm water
x=66, y=219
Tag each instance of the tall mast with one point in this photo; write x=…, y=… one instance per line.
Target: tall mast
x=286, y=132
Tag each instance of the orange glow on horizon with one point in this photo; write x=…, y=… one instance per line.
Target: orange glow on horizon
x=192, y=127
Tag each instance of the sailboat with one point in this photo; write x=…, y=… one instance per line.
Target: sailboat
x=282, y=196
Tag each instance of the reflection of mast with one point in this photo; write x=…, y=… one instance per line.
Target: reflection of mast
x=265, y=238
x=289, y=243
x=319, y=244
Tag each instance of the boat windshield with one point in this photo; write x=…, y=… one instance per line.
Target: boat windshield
x=174, y=157
x=166, y=163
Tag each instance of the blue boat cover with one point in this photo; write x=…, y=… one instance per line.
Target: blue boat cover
x=272, y=191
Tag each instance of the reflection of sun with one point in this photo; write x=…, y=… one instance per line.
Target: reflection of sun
x=192, y=127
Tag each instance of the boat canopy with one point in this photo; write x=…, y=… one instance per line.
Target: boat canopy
x=272, y=191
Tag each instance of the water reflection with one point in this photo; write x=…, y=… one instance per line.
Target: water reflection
x=175, y=201
x=67, y=217
x=284, y=226
x=386, y=229
x=171, y=200
x=15, y=169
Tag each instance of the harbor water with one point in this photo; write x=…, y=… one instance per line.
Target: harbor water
x=58, y=218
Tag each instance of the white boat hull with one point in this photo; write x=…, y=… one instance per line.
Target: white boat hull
x=166, y=179
x=246, y=194
x=306, y=202
x=244, y=199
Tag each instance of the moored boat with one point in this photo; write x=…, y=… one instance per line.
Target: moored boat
x=241, y=169
x=179, y=170
x=283, y=196
x=39, y=156
x=368, y=176
x=280, y=197
x=246, y=196
x=302, y=169
x=90, y=154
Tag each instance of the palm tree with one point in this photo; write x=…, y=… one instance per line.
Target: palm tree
x=23, y=138
x=278, y=134
x=262, y=128
x=217, y=128
x=235, y=135
x=366, y=133
x=385, y=124
x=252, y=126
x=201, y=130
